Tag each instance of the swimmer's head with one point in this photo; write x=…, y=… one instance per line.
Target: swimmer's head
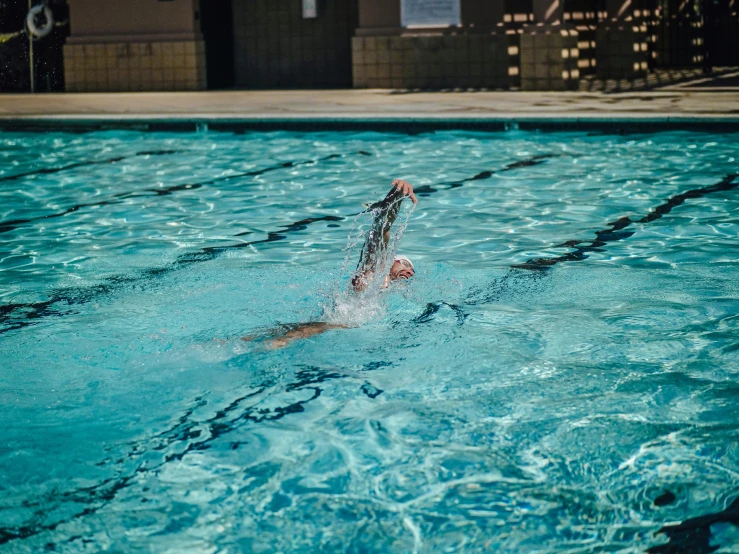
x=402, y=268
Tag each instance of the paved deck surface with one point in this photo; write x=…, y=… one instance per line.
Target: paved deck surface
x=371, y=104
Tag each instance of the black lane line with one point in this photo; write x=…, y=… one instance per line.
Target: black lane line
x=432, y=308
x=693, y=535
x=426, y=190
x=616, y=233
x=50, y=170
x=13, y=224
x=199, y=436
x=185, y=429
x=516, y=280
x=62, y=301
x=19, y=315
x=25, y=314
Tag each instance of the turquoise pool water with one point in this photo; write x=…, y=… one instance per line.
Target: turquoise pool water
x=560, y=375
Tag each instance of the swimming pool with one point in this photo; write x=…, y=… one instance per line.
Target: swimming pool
x=559, y=376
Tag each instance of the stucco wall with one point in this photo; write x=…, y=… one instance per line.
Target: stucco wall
x=96, y=18
x=131, y=45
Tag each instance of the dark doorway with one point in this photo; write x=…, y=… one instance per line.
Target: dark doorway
x=216, y=23
x=276, y=47
x=677, y=28
x=721, y=33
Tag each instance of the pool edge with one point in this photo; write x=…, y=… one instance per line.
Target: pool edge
x=227, y=123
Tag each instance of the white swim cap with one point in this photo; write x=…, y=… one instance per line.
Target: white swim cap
x=400, y=258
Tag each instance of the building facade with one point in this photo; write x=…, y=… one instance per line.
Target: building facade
x=140, y=45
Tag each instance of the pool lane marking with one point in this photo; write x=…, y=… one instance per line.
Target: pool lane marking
x=30, y=312
x=538, y=266
x=199, y=436
x=51, y=170
x=13, y=224
x=429, y=313
x=433, y=307
x=427, y=190
x=616, y=233
x=694, y=535
x=82, y=295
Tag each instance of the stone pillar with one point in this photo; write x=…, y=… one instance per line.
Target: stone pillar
x=549, y=56
x=549, y=50
x=134, y=45
x=621, y=43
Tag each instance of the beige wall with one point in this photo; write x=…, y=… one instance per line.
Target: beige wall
x=433, y=61
x=100, y=18
x=477, y=54
x=379, y=13
x=134, y=45
x=135, y=66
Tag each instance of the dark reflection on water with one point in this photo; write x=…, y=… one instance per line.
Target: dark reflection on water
x=87, y=163
x=693, y=536
x=615, y=233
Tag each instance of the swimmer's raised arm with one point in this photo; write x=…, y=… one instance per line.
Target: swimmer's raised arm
x=374, y=248
x=379, y=236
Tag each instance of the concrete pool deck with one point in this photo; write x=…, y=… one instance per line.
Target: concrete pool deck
x=368, y=106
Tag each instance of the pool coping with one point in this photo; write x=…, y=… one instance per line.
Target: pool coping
x=353, y=122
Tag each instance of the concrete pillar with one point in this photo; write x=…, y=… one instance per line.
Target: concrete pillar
x=379, y=14
x=621, y=43
x=549, y=50
x=548, y=12
x=482, y=13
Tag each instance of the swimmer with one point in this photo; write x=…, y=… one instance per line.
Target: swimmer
x=372, y=257
x=378, y=239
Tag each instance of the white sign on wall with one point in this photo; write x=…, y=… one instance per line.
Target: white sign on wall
x=430, y=12
x=310, y=9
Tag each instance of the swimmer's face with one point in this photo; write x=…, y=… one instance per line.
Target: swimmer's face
x=401, y=270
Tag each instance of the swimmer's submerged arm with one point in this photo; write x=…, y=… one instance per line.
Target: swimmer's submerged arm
x=285, y=334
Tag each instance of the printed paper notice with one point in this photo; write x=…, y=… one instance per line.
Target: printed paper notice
x=430, y=12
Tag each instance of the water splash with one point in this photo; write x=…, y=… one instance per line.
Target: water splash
x=342, y=304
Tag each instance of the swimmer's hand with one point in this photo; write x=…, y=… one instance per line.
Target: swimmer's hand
x=405, y=188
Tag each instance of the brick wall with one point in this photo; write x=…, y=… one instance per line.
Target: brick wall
x=622, y=51
x=135, y=66
x=436, y=61
x=275, y=47
x=549, y=58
